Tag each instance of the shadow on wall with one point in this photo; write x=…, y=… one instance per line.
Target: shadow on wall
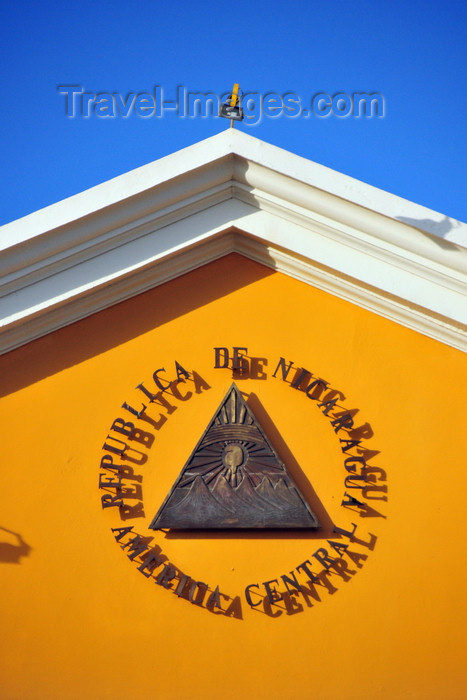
x=12, y=548
x=125, y=320
x=170, y=298
x=440, y=229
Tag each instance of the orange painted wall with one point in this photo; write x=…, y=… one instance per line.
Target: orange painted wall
x=79, y=620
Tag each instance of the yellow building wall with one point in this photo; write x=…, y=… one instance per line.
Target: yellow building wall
x=383, y=617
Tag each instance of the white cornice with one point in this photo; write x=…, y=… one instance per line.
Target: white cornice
x=231, y=193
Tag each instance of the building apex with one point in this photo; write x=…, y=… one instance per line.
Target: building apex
x=232, y=193
x=232, y=142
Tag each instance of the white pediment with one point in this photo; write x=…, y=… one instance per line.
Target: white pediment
x=233, y=193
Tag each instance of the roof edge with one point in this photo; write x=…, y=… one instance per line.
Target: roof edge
x=178, y=209
x=202, y=153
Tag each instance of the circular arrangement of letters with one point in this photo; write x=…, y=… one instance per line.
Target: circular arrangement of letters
x=234, y=483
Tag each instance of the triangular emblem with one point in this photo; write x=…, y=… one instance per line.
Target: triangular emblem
x=234, y=479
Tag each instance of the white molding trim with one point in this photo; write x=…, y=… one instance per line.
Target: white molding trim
x=230, y=193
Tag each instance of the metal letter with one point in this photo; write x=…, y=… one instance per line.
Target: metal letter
x=272, y=595
x=218, y=352
x=292, y=581
x=345, y=421
x=307, y=570
x=318, y=385
x=158, y=381
x=151, y=562
x=239, y=362
x=284, y=370
x=322, y=556
x=119, y=426
x=181, y=372
x=349, y=444
x=248, y=595
x=299, y=379
x=164, y=578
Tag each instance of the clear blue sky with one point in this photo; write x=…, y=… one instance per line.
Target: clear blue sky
x=414, y=54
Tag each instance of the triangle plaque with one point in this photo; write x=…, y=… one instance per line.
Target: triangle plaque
x=234, y=479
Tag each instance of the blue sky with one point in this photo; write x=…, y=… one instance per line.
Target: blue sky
x=413, y=54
